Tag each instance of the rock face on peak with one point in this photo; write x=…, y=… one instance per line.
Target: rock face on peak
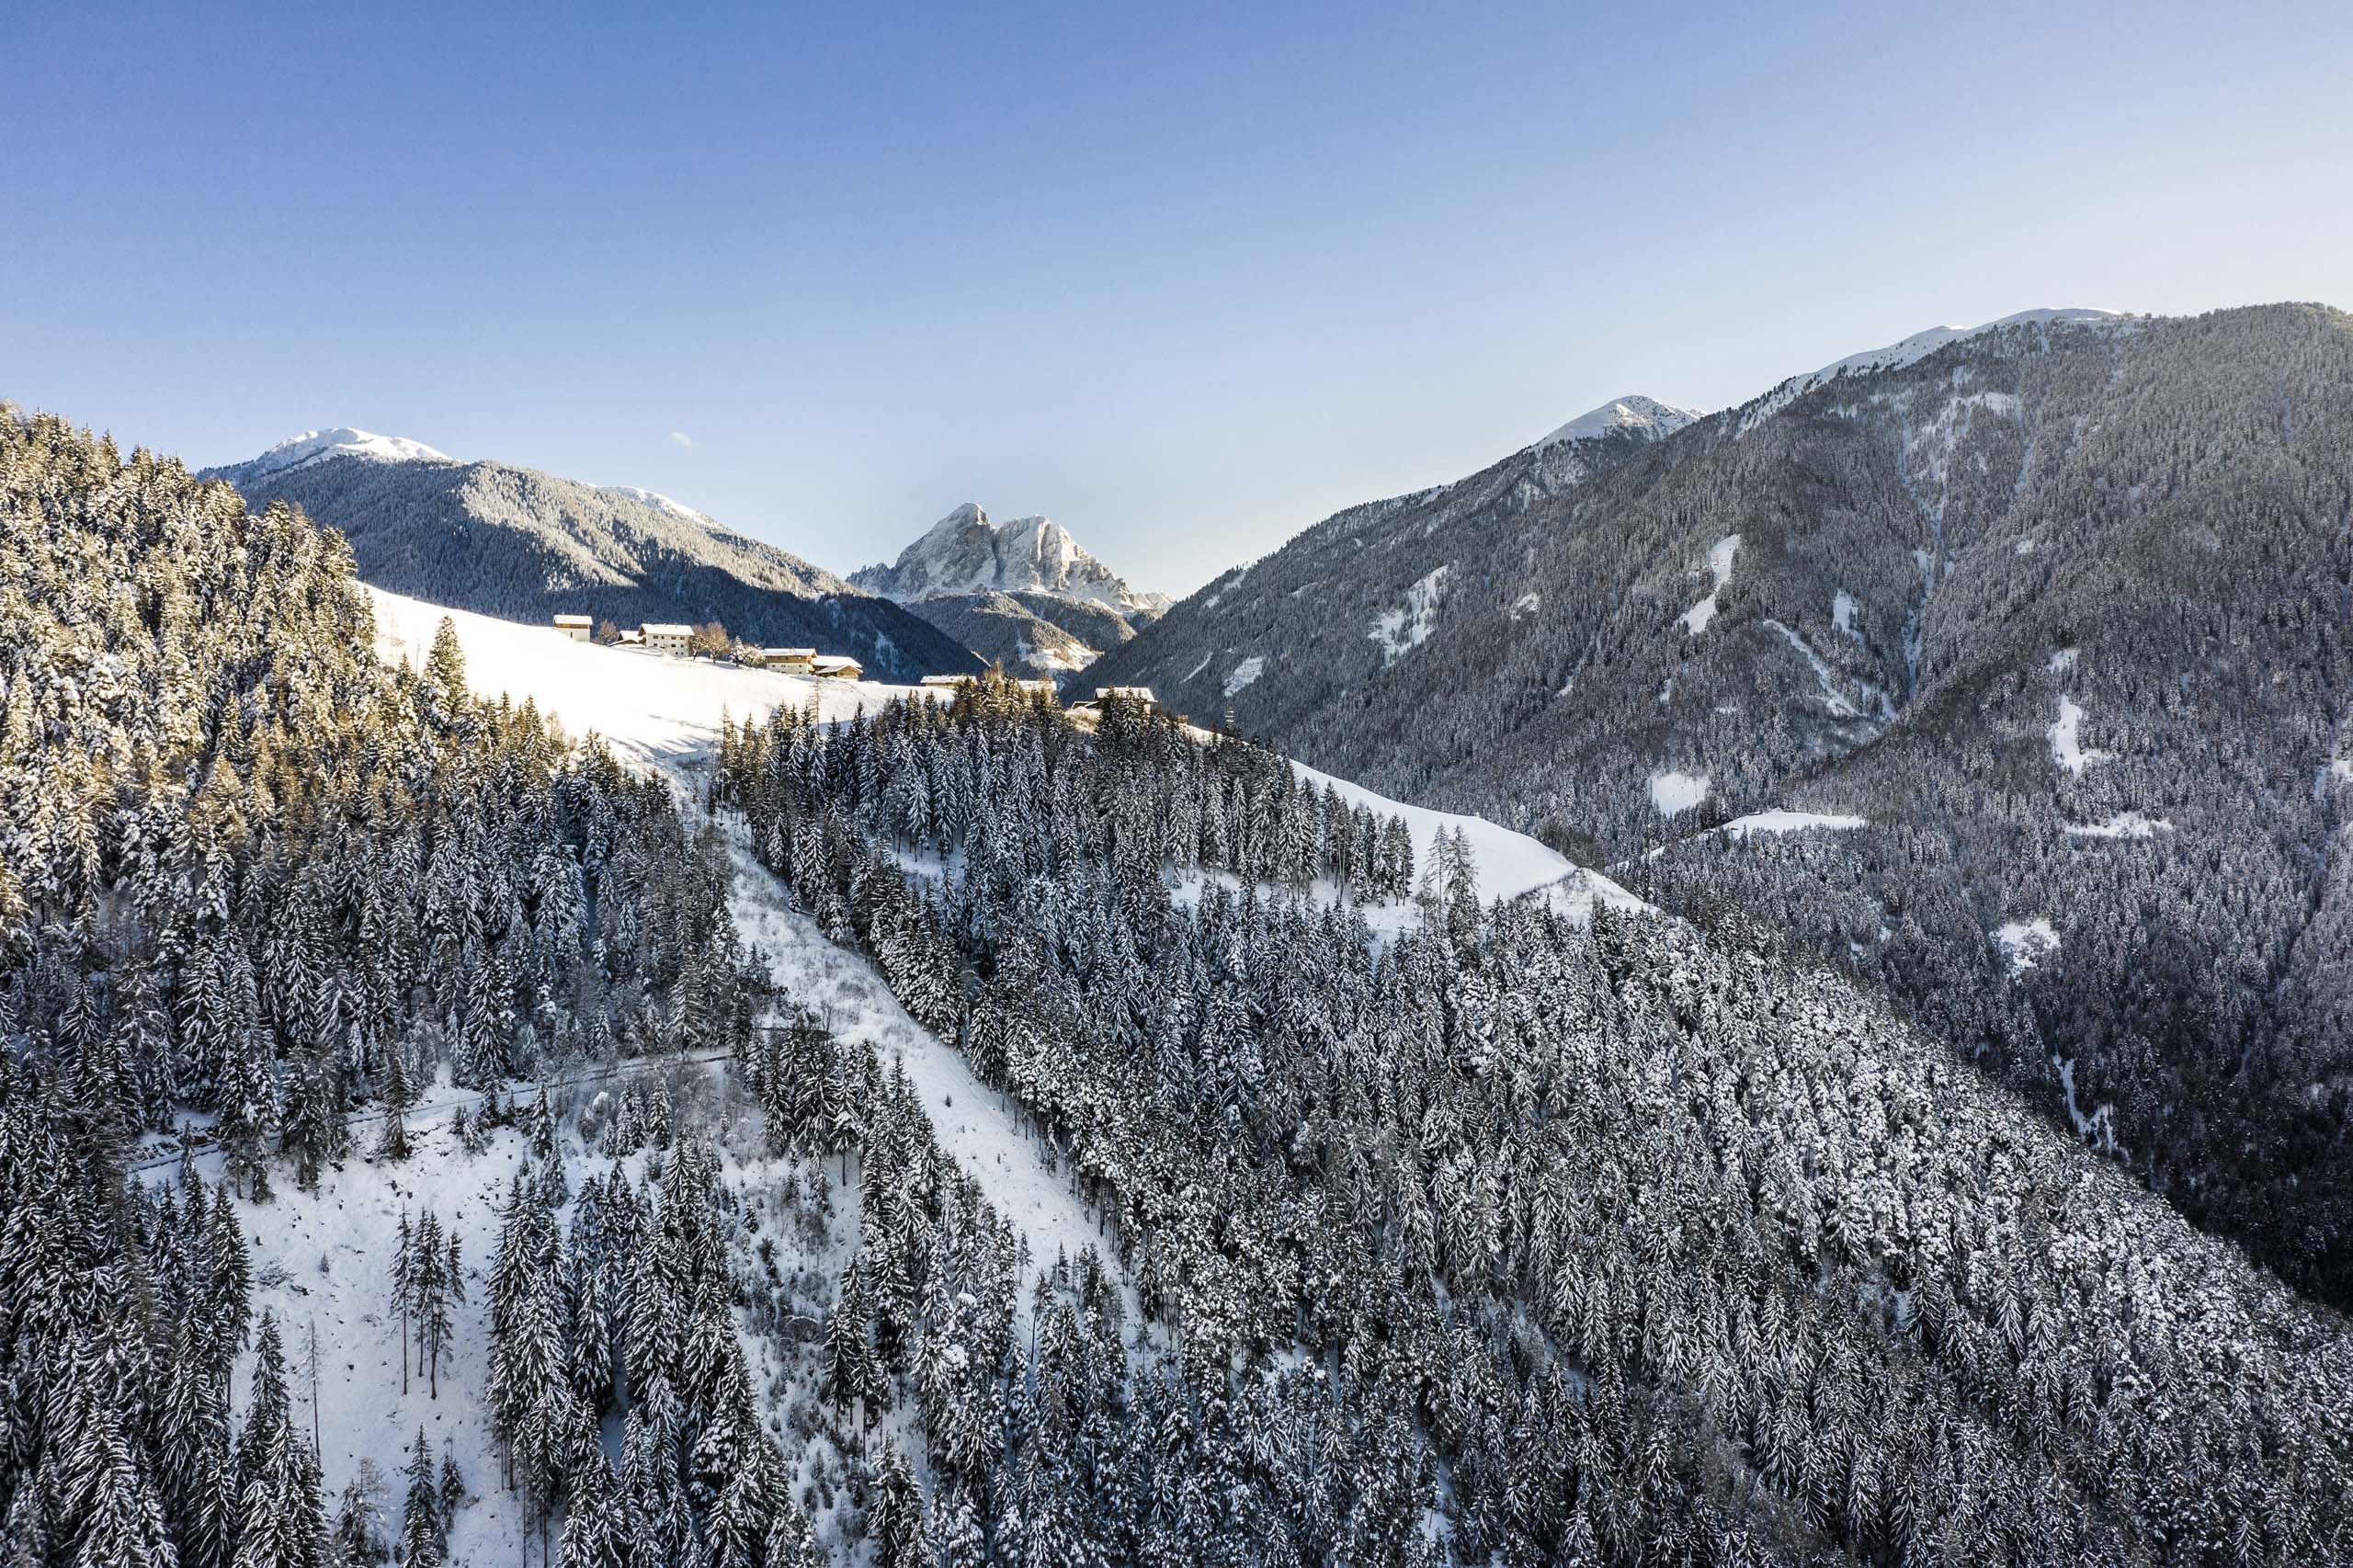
x=517, y=544
x=1644, y=417
x=966, y=552
x=1022, y=593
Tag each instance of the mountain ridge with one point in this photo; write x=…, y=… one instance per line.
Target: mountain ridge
x=518, y=542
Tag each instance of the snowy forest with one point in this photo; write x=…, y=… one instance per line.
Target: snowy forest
x=2059, y=612
x=1405, y=1228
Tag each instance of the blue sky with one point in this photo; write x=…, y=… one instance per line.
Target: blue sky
x=1185, y=279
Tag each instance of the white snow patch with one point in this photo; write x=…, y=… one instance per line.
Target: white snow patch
x=1672, y=791
x=1842, y=613
x=975, y=1123
x=1508, y=864
x=1525, y=606
x=2123, y=825
x=1400, y=632
x=1775, y=821
x=2061, y=661
x=2026, y=941
x=1719, y=556
x=1243, y=674
x=1781, y=821
x=2067, y=748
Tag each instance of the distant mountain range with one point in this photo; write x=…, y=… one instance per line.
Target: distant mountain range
x=512, y=542
x=2032, y=639
x=1022, y=593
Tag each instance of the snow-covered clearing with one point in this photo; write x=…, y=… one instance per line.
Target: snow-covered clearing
x=1507, y=864
x=1672, y=791
x=1778, y=820
x=1842, y=613
x=652, y=707
x=2067, y=749
x=1783, y=820
x=1719, y=556
x=324, y=1260
x=2026, y=941
x=1400, y=632
x=2123, y=825
x=975, y=1124
x=666, y=712
x=1249, y=670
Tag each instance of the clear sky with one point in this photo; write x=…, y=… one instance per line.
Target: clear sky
x=1185, y=278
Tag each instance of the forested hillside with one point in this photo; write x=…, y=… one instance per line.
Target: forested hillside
x=250, y=880
x=2059, y=608
x=1593, y=1245
x=1517, y=1231
x=512, y=542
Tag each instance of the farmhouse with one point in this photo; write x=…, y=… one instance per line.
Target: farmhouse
x=577, y=627
x=836, y=666
x=663, y=637
x=1127, y=694
x=788, y=661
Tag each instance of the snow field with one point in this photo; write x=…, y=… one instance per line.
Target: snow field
x=651, y=707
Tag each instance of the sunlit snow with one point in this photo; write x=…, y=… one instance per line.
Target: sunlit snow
x=1672, y=791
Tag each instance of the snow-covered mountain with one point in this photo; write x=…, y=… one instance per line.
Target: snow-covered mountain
x=967, y=552
x=1269, y=641
x=1643, y=417
x=315, y=445
x=2043, y=606
x=513, y=541
x=1023, y=592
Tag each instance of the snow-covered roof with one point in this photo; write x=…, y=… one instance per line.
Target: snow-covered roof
x=574, y=620
x=788, y=653
x=1133, y=693
x=667, y=628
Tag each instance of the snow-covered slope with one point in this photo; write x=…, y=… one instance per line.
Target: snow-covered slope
x=651, y=706
x=1508, y=863
x=1635, y=414
x=656, y=499
x=312, y=446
